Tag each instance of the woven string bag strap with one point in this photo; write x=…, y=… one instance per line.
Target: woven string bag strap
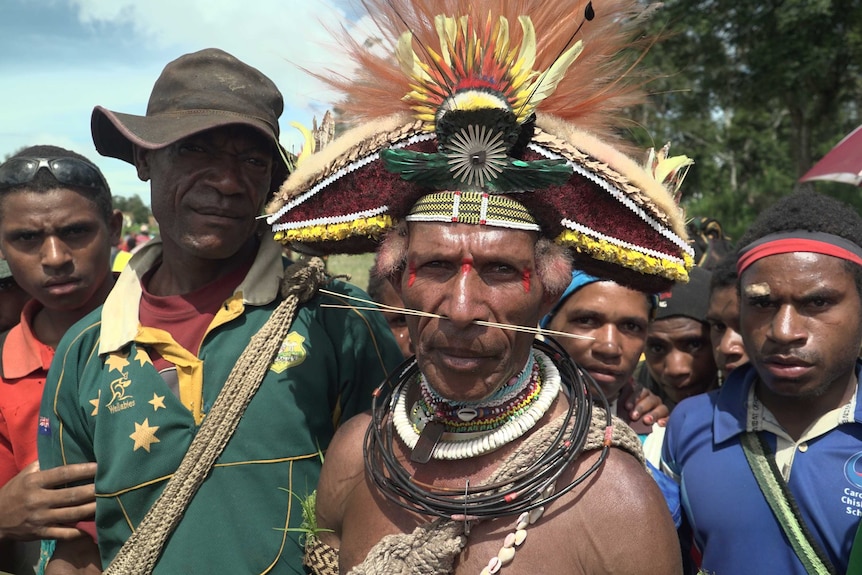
x=140, y=552
x=781, y=501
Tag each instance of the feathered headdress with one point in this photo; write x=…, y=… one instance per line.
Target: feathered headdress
x=496, y=112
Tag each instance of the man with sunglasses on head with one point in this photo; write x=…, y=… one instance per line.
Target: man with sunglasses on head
x=211, y=347
x=57, y=226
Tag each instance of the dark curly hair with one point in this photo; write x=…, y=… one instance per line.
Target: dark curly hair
x=723, y=275
x=812, y=212
x=44, y=180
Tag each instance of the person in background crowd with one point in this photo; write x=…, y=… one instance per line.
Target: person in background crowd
x=678, y=356
x=12, y=298
x=617, y=319
x=381, y=291
x=143, y=235
x=57, y=227
x=722, y=315
x=769, y=464
x=210, y=348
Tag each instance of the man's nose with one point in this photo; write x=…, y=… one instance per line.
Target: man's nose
x=465, y=302
x=606, y=342
x=677, y=364
x=787, y=326
x=731, y=343
x=226, y=175
x=55, y=253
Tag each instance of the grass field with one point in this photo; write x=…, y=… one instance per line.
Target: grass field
x=354, y=266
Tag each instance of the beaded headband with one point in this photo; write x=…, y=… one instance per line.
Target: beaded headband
x=494, y=125
x=478, y=208
x=798, y=241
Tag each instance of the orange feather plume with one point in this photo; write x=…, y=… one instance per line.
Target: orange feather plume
x=594, y=91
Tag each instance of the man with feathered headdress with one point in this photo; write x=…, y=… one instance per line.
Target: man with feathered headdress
x=479, y=170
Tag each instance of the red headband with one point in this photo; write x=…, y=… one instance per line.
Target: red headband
x=790, y=245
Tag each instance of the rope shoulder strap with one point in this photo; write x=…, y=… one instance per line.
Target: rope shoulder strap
x=783, y=505
x=140, y=552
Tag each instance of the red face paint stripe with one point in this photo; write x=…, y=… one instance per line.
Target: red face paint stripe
x=466, y=266
x=411, y=278
x=525, y=280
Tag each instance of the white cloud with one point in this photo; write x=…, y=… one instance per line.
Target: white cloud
x=276, y=36
x=116, y=49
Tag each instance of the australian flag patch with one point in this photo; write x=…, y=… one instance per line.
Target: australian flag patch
x=44, y=426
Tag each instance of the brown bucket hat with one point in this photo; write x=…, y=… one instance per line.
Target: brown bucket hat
x=196, y=92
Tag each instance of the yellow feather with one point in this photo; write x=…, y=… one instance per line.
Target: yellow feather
x=527, y=55
x=502, y=33
x=308, y=145
x=446, y=31
x=670, y=166
x=405, y=54
x=547, y=82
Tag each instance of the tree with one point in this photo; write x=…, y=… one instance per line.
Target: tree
x=755, y=92
x=134, y=207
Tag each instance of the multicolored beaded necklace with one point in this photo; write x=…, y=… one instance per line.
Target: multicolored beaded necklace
x=469, y=430
x=511, y=400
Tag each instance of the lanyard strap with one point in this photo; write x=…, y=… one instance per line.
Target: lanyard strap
x=783, y=505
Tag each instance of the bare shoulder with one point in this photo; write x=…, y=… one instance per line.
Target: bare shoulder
x=343, y=470
x=621, y=497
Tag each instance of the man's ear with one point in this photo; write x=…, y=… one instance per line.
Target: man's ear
x=142, y=162
x=395, y=279
x=548, y=301
x=115, y=227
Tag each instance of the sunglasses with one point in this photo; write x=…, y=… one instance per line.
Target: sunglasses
x=67, y=171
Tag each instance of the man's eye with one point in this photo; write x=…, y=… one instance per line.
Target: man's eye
x=632, y=327
x=694, y=346
x=190, y=147
x=761, y=302
x=75, y=231
x=258, y=162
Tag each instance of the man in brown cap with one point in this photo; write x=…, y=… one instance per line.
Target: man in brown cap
x=209, y=382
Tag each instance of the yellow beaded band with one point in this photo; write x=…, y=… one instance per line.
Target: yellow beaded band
x=479, y=208
x=650, y=264
x=372, y=227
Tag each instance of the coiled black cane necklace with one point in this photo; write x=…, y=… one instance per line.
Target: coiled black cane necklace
x=524, y=491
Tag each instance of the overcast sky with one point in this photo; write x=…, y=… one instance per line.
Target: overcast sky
x=59, y=58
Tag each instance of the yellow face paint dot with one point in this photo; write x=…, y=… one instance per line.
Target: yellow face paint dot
x=757, y=290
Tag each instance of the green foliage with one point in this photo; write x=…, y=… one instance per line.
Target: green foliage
x=756, y=93
x=134, y=207
x=309, y=519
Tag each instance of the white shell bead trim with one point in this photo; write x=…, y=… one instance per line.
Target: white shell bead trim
x=332, y=219
x=491, y=440
x=619, y=196
x=341, y=172
x=572, y=225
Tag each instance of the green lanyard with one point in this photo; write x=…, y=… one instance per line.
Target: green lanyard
x=784, y=507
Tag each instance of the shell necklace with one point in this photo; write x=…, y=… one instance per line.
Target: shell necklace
x=539, y=391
